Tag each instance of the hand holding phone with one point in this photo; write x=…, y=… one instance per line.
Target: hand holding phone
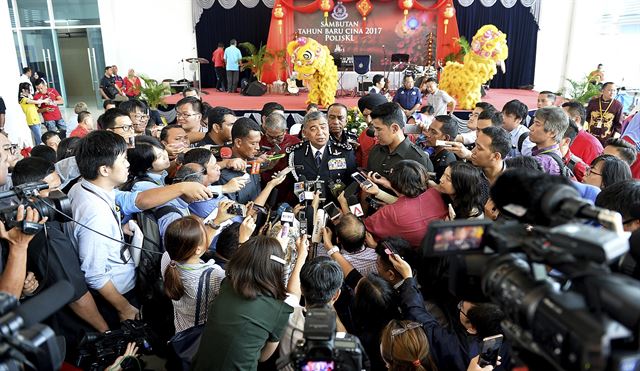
x=443, y=143
x=490, y=350
x=362, y=180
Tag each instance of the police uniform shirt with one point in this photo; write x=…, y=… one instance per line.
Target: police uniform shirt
x=408, y=98
x=381, y=160
x=338, y=162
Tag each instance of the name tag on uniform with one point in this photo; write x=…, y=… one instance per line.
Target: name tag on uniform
x=413, y=93
x=337, y=164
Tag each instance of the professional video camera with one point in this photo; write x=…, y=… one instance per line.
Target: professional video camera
x=549, y=272
x=96, y=351
x=27, y=195
x=26, y=344
x=321, y=349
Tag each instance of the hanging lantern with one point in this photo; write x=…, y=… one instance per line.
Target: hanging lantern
x=326, y=6
x=278, y=13
x=364, y=8
x=406, y=5
x=448, y=13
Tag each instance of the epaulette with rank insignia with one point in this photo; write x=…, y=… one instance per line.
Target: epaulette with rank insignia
x=346, y=146
x=294, y=147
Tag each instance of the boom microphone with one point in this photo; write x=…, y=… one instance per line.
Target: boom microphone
x=37, y=309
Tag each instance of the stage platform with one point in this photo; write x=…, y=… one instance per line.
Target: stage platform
x=243, y=105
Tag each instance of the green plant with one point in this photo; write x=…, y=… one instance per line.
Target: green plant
x=256, y=60
x=459, y=56
x=153, y=92
x=581, y=90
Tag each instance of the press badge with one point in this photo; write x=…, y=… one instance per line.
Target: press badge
x=337, y=164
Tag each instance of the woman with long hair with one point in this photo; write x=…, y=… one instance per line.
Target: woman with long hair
x=249, y=315
x=148, y=164
x=185, y=241
x=465, y=189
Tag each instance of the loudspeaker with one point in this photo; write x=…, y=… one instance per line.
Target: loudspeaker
x=254, y=89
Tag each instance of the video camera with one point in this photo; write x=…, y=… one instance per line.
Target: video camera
x=26, y=344
x=96, y=351
x=321, y=349
x=549, y=273
x=27, y=195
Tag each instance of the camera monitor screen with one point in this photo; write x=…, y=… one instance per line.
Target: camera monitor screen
x=457, y=237
x=318, y=366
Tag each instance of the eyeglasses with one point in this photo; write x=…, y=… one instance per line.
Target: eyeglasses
x=141, y=117
x=405, y=327
x=11, y=148
x=277, y=138
x=124, y=128
x=460, y=309
x=186, y=115
x=590, y=171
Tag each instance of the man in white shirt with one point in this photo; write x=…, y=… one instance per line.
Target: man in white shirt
x=439, y=99
x=514, y=113
x=26, y=77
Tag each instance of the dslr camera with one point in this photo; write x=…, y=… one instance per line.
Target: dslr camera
x=55, y=207
x=321, y=349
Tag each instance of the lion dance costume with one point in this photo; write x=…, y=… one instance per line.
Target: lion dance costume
x=313, y=62
x=463, y=81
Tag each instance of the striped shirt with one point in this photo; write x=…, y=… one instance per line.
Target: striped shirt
x=184, y=310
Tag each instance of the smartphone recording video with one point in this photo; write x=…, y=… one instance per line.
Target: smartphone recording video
x=361, y=179
x=332, y=210
x=490, y=351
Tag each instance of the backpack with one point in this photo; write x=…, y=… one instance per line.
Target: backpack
x=565, y=171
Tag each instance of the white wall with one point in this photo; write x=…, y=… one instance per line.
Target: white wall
x=16, y=123
x=553, y=40
x=150, y=36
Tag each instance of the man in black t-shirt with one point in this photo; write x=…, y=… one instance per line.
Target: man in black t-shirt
x=108, y=87
x=443, y=128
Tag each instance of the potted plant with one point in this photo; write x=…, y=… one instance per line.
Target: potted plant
x=256, y=59
x=153, y=92
x=581, y=90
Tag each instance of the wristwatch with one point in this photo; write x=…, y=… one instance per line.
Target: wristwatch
x=214, y=225
x=333, y=250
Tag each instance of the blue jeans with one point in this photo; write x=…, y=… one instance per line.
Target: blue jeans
x=35, y=129
x=59, y=126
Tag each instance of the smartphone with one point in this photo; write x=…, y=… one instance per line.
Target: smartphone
x=412, y=129
x=302, y=218
x=282, y=172
x=490, y=350
x=361, y=179
x=443, y=143
x=332, y=210
x=259, y=209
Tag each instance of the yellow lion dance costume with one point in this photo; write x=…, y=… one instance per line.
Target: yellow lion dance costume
x=313, y=62
x=463, y=81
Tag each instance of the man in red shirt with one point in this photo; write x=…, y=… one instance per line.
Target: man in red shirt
x=85, y=125
x=50, y=112
x=573, y=162
x=218, y=64
x=585, y=146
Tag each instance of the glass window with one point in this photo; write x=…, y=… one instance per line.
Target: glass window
x=75, y=12
x=33, y=13
x=11, y=15
x=17, y=44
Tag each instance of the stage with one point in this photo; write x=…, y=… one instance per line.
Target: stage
x=296, y=103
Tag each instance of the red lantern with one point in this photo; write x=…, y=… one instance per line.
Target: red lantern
x=405, y=5
x=364, y=8
x=326, y=6
x=278, y=13
x=448, y=13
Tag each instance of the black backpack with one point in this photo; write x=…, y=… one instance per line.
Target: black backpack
x=521, y=140
x=565, y=171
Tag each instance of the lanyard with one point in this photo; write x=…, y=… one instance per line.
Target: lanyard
x=600, y=106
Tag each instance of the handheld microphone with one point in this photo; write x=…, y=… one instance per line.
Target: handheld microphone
x=299, y=187
x=287, y=215
x=354, y=206
x=37, y=309
x=226, y=153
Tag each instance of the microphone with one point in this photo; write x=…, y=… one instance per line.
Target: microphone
x=354, y=206
x=226, y=153
x=299, y=187
x=318, y=225
x=37, y=309
x=287, y=215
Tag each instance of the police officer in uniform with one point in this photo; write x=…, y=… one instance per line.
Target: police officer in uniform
x=393, y=146
x=337, y=119
x=319, y=158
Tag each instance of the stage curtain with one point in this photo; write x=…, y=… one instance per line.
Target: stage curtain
x=218, y=24
x=522, y=36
